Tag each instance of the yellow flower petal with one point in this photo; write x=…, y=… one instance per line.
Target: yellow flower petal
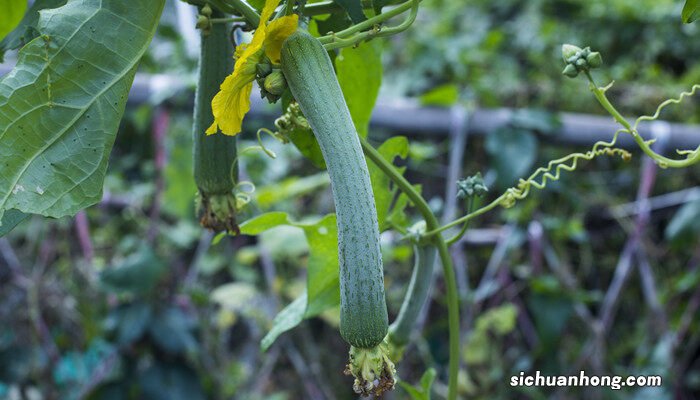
x=230, y=105
x=277, y=31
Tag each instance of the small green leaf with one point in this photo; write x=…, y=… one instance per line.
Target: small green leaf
x=10, y=220
x=536, y=120
x=129, y=321
x=287, y=319
x=170, y=381
x=322, y=282
x=334, y=23
x=305, y=141
x=139, y=273
x=61, y=106
x=171, y=330
x=377, y=5
x=441, y=96
x=384, y=190
x=691, y=11
x=683, y=229
x=263, y=222
x=359, y=72
x=289, y=188
x=12, y=12
x=513, y=153
x=353, y=8
x=421, y=392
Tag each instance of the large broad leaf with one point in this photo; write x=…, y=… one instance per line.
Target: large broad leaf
x=61, y=106
x=322, y=287
x=359, y=72
x=27, y=28
x=12, y=12
x=691, y=11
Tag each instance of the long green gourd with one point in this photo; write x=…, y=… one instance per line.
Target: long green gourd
x=363, y=314
x=416, y=294
x=215, y=156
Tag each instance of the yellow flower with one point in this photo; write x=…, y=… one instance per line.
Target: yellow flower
x=230, y=105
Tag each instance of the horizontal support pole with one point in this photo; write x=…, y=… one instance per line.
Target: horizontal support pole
x=410, y=118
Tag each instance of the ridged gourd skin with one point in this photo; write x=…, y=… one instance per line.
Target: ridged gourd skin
x=215, y=166
x=312, y=80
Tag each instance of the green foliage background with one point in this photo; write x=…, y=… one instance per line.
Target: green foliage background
x=153, y=309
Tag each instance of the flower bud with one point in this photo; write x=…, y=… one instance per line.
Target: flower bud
x=206, y=10
x=568, y=51
x=202, y=22
x=570, y=71
x=594, y=60
x=263, y=69
x=275, y=83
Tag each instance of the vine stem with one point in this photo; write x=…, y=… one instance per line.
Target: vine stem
x=663, y=162
x=463, y=220
x=353, y=35
x=241, y=7
x=447, y=267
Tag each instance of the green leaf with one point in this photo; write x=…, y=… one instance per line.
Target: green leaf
x=290, y=188
x=180, y=188
x=353, y=8
x=61, y=106
x=512, y=153
x=286, y=320
x=359, y=72
x=12, y=12
x=10, y=220
x=384, y=190
x=691, y=11
x=170, y=381
x=322, y=286
x=322, y=282
x=377, y=5
x=334, y=23
x=683, y=228
x=171, y=330
x=536, y=120
x=421, y=392
x=305, y=141
x=27, y=28
x=263, y=222
x=441, y=96
x=129, y=321
x=139, y=273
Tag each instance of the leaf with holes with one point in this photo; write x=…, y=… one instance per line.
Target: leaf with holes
x=61, y=106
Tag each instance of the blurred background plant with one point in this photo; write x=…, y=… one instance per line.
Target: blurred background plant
x=130, y=299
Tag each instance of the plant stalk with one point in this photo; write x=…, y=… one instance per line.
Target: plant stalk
x=447, y=267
